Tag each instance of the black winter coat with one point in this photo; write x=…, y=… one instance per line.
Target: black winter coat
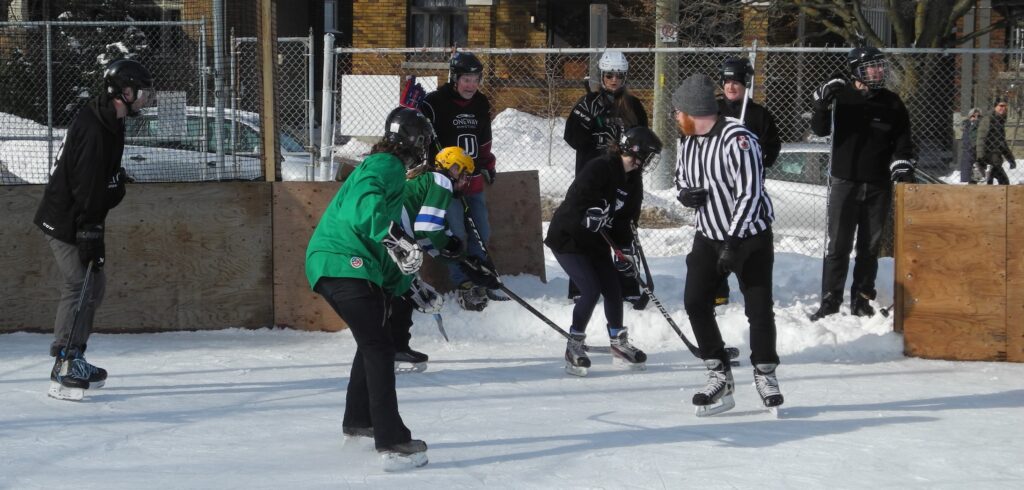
x=996, y=150
x=872, y=130
x=601, y=180
x=590, y=143
x=85, y=183
x=760, y=122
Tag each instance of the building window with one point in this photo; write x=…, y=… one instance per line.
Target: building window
x=437, y=23
x=1017, y=42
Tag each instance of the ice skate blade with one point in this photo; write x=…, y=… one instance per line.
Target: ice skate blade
x=400, y=462
x=406, y=368
x=97, y=385
x=575, y=370
x=64, y=393
x=773, y=411
x=632, y=366
x=724, y=404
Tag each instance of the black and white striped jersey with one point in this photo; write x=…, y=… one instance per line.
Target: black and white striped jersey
x=727, y=162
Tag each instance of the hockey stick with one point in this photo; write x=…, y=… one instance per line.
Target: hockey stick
x=689, y=345
x=476, y=235
x=642, y=255
x=63, y=354
x=483, y=269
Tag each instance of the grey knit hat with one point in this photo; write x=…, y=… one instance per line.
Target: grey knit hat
x=696, y=96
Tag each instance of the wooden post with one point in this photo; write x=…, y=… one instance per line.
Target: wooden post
x=268, y=62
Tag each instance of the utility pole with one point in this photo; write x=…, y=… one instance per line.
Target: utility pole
x=666, y=78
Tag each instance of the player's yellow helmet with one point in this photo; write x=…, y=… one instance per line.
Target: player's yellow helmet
x=455, y=161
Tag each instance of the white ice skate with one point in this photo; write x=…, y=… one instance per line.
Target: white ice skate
x=767, y=386
x=626, y=354
x=576, y=360
x=716, y=396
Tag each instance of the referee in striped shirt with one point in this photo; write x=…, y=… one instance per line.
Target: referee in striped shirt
x=719, y=173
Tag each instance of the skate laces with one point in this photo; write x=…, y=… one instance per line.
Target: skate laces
x=81, y=369
x=767, y=384
x=717, y=381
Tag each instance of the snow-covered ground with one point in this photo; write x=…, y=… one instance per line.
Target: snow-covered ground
x=262, y=409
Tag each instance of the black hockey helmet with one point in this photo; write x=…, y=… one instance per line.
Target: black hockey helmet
x=410, y=131
x=463, y=63
x=858, y=60
x=125, y=73
x=641, y=143
x=737, y=70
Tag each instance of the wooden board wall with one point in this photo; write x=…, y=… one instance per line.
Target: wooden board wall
x=516, y=243
x=958, y=271
x=179, y=257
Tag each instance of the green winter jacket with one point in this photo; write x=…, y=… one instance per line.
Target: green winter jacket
x=426, y=203
x=346, y=242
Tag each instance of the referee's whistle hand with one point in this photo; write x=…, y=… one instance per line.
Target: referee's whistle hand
x=692, y=197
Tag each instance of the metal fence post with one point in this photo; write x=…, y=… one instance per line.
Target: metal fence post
x=311, y=104
x=327, y=111
x=49, y=98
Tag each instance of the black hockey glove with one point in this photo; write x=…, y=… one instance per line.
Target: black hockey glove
x=1013, y=164
x=693, y=197
x=488, y=174
x=596, y=217
x=902, y=171
x=403, y=250
x=826, y=93
x=481, y=272
x=729, y=256
x=424, y=296
x=453, y=249
x=89, y=239
x=625, y=266
x=641, y=302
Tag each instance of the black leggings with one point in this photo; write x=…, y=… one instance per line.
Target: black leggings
x=371, y=400
x=595, y=277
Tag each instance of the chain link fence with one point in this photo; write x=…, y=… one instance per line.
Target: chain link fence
x=296, y=121
x=49, y=70
x=533, y=90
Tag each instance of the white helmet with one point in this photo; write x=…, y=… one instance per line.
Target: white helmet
x=613, y=61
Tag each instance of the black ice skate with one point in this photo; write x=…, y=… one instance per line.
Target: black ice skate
x=410, y=361
x=627, y=353
x=70, y=377
x=576, y=360
x=403, y=456
x=768, y=387
x=472, y=298
x=716, y=396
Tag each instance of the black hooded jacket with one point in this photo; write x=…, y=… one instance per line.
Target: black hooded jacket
x=760, y=122
x=84, y=185
x=601, y=180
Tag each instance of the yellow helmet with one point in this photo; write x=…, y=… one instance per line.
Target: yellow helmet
x=455, y=161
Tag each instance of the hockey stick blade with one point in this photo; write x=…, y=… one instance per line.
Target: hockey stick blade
x=440, y=326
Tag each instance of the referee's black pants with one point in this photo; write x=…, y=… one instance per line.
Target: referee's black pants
x=755, y=279
x=855, y=210
x=371, y=400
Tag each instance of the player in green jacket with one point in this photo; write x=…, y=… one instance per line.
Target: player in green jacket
x=428, y=191
x=355, y=245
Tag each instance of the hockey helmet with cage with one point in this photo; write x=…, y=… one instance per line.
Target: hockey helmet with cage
x=126, y=73
x=860, y=60
x=463, y=63
x=737, y=70
x=455, y=160
x=411, y=133
x=641, y=143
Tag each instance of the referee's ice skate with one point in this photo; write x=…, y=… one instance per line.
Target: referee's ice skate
x=410, y=361
x=716, y=396
x=403, y=456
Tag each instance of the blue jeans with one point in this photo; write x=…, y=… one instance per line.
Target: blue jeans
x=457, y=223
